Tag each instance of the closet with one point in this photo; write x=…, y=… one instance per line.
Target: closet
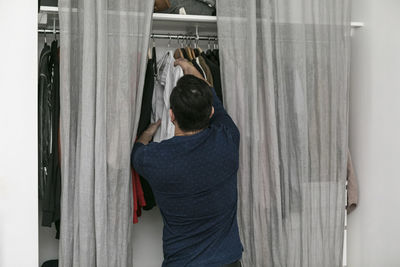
x=374, y=108
x=169, y=31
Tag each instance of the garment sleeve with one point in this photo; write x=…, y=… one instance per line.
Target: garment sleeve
x=138, y=158
x=221, y=117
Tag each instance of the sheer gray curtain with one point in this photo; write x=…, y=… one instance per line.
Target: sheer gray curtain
x=285, y=67
x=103, y=56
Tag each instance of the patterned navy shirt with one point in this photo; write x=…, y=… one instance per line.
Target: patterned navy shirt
x=194, y=180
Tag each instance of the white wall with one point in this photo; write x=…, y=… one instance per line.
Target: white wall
x=374, y=227
x=18, y=134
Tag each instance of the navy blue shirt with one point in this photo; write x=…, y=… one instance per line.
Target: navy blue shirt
x=194, y=180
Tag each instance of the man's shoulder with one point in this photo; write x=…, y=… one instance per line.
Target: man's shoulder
x=159, y=147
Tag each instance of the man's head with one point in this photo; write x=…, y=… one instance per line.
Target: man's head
x=191, y=104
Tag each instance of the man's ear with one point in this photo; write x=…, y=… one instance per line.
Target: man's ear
x=212, y=112
x=172, y=116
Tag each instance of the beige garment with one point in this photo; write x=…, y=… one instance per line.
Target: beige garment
x=207, y=70
x=178, y=54
x=352, y=186
x=161, y=5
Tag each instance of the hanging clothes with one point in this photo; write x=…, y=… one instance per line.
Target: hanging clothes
x=148, y=88
x=144, y=121
x=185, y=54
x=49, y=121
x=210, y=3
x=206, y=69
x=216, y=73
x=213, y=55
x=168, y=76
x=138, y=196
x=198, y=67
x=44, y=122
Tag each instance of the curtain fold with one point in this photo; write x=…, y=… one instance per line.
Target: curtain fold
x=285, y=74
x=103, y=62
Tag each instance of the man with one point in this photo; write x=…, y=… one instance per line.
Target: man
x=194, y=176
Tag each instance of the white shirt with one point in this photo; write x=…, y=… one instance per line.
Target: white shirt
x=168, y=76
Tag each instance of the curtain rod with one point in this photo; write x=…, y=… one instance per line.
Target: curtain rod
x=156, y=35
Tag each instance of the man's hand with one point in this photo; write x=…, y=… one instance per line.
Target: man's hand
x=148, y=134
x=188, y=68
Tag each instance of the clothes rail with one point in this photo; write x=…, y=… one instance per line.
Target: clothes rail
x=184, y=37
x=156, y=36
x=49, y=31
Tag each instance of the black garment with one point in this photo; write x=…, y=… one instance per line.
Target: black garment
x=51, y=263
x=48, y=2
x=194, y=62
x=144, y=121
x=213, y=55
x=210, y=3
x=44, y=120
x=196, y=52
x=145, y=111
x=49, y=120
x=235, y=264
x=216, y=73
x=154, y=63
x=185, y=55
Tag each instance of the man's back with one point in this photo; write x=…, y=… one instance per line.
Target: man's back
x=194, y=180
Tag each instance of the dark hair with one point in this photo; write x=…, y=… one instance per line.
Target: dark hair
x=191, y=103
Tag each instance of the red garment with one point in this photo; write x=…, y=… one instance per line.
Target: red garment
x=138, y=196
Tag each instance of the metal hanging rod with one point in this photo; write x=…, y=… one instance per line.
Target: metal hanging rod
x=156, y=35
x=184, y=36
x=49, y=31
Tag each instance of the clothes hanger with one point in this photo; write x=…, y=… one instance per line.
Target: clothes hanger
x=169, y=41
x=186, y=51
x=181, y=43
x=45, y=38
x=208, y=52
x=178, y=52
x=191, y=47
x=197, y=42
x=54, y=29
x=188, y=48
x=154, y=56
x=182, y=49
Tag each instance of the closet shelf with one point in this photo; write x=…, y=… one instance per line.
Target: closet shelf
x=164, y=23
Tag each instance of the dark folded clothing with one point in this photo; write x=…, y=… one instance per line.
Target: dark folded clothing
x=51, y=263
x=210, y=3
x=192, y=7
